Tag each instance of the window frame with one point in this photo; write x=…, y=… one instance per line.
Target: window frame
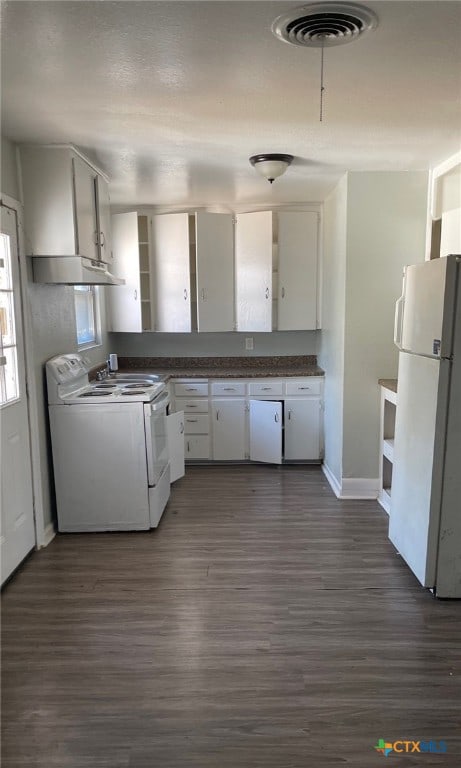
x=93, y=291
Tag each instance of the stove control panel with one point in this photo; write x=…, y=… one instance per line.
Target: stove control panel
x=67, y=368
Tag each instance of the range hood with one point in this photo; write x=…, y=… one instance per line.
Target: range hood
x=72, y=270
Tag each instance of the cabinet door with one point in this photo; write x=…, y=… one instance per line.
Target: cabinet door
x=175, y=435
x=266, y=431
x=104, y=223
x=125, y=302
x=253, y=263
x=228, y=420
x=297, y=253
x=302, y=429
x=171, y=273
x=215, y=271
x=85, y=209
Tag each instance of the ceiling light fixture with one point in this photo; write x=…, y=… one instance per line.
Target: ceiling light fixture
x=323, y=25
x=271, y=166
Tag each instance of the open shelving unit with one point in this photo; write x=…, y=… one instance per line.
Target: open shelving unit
x=387, y=430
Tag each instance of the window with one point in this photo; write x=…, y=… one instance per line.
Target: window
x=9, y=385
x=86, y=315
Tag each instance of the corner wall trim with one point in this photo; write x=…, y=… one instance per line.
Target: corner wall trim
x=352, y=487
x=48, y=535
x=335, y=486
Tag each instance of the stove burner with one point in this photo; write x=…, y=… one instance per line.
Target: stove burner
x=138, y=392
x=94, y=393
x=104, y=386
x=137, y=386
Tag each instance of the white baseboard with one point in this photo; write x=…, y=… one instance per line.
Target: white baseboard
x=335, y=486
x=352, y=487
x=48, y=536
x=360, y=488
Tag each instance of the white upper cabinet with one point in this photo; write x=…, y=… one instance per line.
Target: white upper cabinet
x=85, y=209
x=171, y=272
x=297, y=271
x=193, y=272
x=253, y=264
x=277, y=252
x=61, y=211
x=214, y=236
x=125, y=303
x=103, y=221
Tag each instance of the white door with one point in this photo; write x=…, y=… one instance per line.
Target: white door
x=171, y=272
x=228, y=420
x=125, y=302
x=17, y=535
x=85, y=209
x=297, y=255
x=411, y=525
x=214, y=234
x=103, y=207
x=302, y=430
x=175, y=432
x=424, y=307
x=253, y=266
x=266, y=431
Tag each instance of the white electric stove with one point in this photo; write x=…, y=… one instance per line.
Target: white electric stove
x=110, y=448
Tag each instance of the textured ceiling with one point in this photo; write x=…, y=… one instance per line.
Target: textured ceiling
x=172, y=98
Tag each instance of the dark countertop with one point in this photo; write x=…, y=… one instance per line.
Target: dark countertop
x=224, y=367
x=388, y=384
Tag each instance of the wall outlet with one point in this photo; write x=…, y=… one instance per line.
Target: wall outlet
x=249, y=343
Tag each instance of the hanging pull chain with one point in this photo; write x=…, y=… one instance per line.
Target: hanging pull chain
x=322, y=87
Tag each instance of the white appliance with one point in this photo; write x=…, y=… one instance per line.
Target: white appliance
x=425, y=513
x=110, y=448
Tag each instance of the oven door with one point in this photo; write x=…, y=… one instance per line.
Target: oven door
x=156, y=438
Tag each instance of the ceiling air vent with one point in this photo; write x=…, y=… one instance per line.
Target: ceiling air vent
x=320, y=25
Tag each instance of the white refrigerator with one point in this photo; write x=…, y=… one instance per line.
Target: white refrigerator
x=425, y=512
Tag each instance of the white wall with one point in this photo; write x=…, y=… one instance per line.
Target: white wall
x=9, y=177
x=331, y=346
x=213, y=344
x=375, y=224
x=386, y=229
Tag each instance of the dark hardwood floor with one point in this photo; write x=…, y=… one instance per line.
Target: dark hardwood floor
x=265, y=624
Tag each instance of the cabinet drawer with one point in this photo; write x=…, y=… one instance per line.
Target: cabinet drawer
x=197, y=447
x=266, y=388
x=197, y=405
x=191, y=389
x=196, y=424
x=230, y=388
x=308, y=386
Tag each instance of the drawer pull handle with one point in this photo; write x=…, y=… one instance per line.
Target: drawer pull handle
x=192, y=421
x=188, y=447
x=267, y=293
x=192, y=405
x=304, y=387
x=229, y=389
x=217, y=415
x=276, y=417
x=185, y=294
x=289, y=414
x=181, y=428
x=191, y=389
x=283, y=292
x=266, y=389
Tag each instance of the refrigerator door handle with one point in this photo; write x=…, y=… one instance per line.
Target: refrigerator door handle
x=398, y=322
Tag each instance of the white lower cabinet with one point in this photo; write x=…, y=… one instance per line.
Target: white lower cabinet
x=229, y=431
x=265, y=420
x=191, y=397
x=266, y=424
x=302, y=429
